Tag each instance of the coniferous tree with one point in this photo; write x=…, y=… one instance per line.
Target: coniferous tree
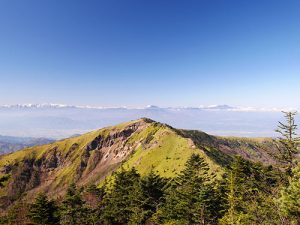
x=288, y=139
x=93, y=197
x=43, y=211
x=123, y=202
x=191, y=198
x=235, y=177
x=233, y=199
x=290, y=197
x=152, y=186
x=250, y=194
x=73, y=210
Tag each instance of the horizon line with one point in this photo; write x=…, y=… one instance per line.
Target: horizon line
x=221, y=107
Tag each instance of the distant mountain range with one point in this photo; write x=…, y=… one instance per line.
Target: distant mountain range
x=10, y=144
x=61, y=121
x=209, y=107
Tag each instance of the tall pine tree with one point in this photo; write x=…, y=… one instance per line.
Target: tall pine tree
x=152, y=186
x=191, y=198
x=73, y=210
x=123, y=202
x=289, y=138
x=43, y=211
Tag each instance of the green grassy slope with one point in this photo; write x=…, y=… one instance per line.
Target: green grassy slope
x=166, y=152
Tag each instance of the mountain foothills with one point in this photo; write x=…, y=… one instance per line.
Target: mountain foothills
x=145, y=172
x=10, y=144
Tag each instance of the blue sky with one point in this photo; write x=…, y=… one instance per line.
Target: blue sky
x=135, y=53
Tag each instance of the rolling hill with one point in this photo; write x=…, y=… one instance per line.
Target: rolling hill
x=143, y=144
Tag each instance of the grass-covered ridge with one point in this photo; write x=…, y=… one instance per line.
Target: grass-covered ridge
x=164, y=151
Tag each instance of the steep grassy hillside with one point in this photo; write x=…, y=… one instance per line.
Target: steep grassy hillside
x=144, y=144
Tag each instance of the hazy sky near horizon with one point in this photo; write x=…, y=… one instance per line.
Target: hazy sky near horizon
x=161, y=52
